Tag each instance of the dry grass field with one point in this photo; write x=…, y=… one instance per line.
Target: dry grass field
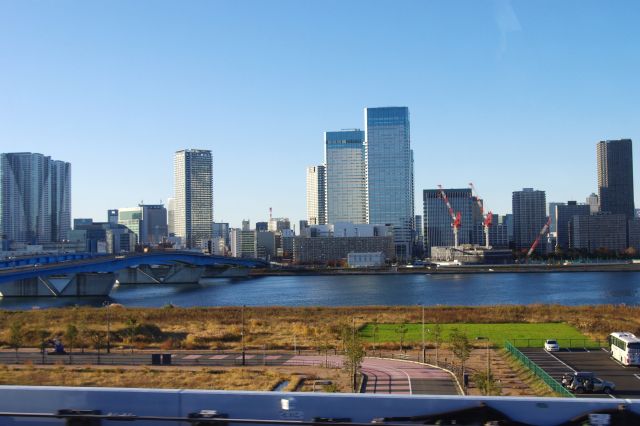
x=279, y=327
x=218, y=378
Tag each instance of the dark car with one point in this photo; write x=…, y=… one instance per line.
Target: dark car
x=585, y=381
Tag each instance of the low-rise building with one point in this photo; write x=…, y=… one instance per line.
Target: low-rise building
x=602, y=231
x=366, y=260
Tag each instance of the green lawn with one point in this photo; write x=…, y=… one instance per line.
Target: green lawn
x=520, y=334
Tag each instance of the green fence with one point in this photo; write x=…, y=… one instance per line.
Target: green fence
x=570, y=343
x=538, y=372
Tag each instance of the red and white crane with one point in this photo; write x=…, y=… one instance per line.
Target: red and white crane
x=456, y=220
x=543, y=231
x=486, y=219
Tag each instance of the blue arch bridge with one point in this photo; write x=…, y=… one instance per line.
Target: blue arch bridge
x=82, y=275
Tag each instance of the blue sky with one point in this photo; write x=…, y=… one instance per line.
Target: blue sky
x=505, y=94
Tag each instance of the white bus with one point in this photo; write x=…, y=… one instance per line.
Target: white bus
x=625, y=347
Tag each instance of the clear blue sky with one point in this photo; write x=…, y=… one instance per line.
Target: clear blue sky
x=504, y=94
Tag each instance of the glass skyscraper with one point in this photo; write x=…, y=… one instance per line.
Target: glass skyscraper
x=389, y=173
x=35, y=199
x=345, y=175
x=193, y=185
x=529, y=209
x=615, y=177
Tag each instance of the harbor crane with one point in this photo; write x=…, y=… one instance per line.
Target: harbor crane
x=543, y=231
x=456, y=219
x=486, y=219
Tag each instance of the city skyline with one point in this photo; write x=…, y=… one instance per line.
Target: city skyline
x=498, y=91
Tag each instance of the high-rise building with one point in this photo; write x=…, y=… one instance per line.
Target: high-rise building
x=316, y=201
x=438, y=231
x=564, y=214
x=171, y=211
x=615, y=177
x=278, y=224
x=221, y=230
x=553, y=228
x=389, y=173
x=345, y=176
x=529, y=209
x=131, y=217
x=154, y=223
x=35, y=199
x=112, y=216
x=193, y=185
x=593, y=202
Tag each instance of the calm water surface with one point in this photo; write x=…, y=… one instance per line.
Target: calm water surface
x=589, y=288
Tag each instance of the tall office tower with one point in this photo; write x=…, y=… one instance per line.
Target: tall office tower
x=262, y=226
x=346, y=180
x=193, y=185
x=35, y=199
x=154, y=223
x=564, y=214
x=171, y=211
x=316, y=201
x=389, y=173
x=593, y=202
x=615, y=177
x=221, y=230
x=131, y=217
x=529, y=209
x=438, y=231
x=552, y=214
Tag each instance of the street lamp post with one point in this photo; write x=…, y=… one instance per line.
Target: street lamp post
x=107, y=306
x=242, y=336
x=424, y=348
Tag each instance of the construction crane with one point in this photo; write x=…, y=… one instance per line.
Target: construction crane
x=456, y=220
x=486, y=219
x=543, y=231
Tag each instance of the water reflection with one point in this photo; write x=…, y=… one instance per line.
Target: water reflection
x=590, y=288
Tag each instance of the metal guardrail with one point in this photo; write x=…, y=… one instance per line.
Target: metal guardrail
x=538, y=371
x=563, y=342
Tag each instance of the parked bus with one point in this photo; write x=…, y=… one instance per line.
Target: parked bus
x=625, y=347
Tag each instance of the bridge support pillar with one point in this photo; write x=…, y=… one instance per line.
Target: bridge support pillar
x=181, y=273
x=142, y=274
x=81, y=284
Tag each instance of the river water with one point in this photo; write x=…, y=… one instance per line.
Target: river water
x=588, y=288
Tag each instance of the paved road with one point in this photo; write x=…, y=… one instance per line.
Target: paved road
x=627, y=379
x=382, y=375
x=402, y=377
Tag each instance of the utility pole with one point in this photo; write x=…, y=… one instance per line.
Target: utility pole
x=107, y=305
x=242, y=336
x=424, y=348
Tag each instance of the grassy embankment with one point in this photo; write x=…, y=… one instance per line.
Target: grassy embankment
x=521, y=334
x=313, y=328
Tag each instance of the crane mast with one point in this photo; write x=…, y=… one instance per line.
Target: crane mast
x=456, y=220
x=543, y=231
x=486, y=219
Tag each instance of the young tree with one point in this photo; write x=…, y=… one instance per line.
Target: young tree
x=487, y=385
x=460, y=346
x=354, y=354
x=72, y=335
x=132, y=328
x=402, y=331
x=44, y=337
x=16, y=336
x=97, y=337
x=437, y=337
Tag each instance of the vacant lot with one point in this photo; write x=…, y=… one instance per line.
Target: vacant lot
x=220, y=378
x=286, y=327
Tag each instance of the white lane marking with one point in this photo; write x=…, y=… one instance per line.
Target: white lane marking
x=637, y=376
x=561, y=362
